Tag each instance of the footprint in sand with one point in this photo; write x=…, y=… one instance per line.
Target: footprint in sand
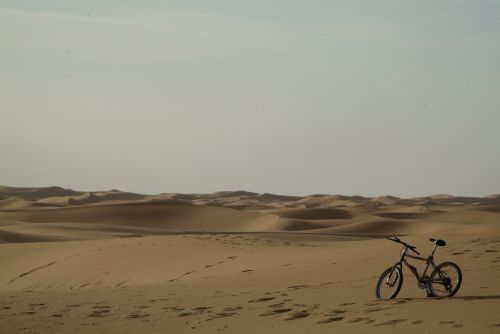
x=331, y=319
x=275, y=312
x=73, y=305
x=186, y=314
x=99, y=311
x=202, y=308
x=333, y=316
x=32, y=271
x=137, y=316
x=298, y=315
x=355, y=320
x=400, y=301
x=236, y=308
x=375, y=309
x=173, y=308
x=121, y=283
x=181, y=276
x=260, y=300
x=297, y=287
x=391, y=322
x=221, y=315
x=326, y=283
x=158, y=300
x=276, y=305
x=36, y=305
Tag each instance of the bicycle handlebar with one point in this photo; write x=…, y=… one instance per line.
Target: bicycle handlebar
x=413, y=248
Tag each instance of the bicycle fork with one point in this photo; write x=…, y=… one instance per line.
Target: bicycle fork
x=388, y=278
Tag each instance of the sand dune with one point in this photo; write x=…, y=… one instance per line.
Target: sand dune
x=144, y=216
x=119, y=262
x=314, y=214
x=239, y=211
x=14, y=203
x=35, y=193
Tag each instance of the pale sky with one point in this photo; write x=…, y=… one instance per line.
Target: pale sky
x=292, y=97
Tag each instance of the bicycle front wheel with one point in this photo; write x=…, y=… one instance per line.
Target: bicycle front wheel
x=389, y=283
x=445, y=280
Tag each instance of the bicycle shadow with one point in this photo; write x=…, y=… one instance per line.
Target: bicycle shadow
x=466, y=298
x=473, y=297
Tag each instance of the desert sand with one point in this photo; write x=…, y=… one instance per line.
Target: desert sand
x=238, y=262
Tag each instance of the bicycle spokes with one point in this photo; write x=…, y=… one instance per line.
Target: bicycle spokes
x=446, y=280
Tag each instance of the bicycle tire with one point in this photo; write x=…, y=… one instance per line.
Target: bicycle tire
x=443, y=275
x=397, y=284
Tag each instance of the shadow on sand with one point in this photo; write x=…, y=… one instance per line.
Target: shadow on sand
x=474, y=297
x=485, y=297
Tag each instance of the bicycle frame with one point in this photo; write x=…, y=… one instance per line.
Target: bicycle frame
x=429, y=262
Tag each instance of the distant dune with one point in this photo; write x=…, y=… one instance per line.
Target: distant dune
x=30, y=213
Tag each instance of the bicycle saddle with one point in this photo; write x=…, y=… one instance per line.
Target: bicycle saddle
x=438, y=242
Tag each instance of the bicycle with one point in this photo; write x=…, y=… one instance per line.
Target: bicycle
x=444, y=281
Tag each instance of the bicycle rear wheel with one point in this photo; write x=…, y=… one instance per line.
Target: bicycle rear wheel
x=389, y=283
x=445, y=280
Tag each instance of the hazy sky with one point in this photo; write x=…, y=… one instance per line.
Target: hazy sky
x=294, y=97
